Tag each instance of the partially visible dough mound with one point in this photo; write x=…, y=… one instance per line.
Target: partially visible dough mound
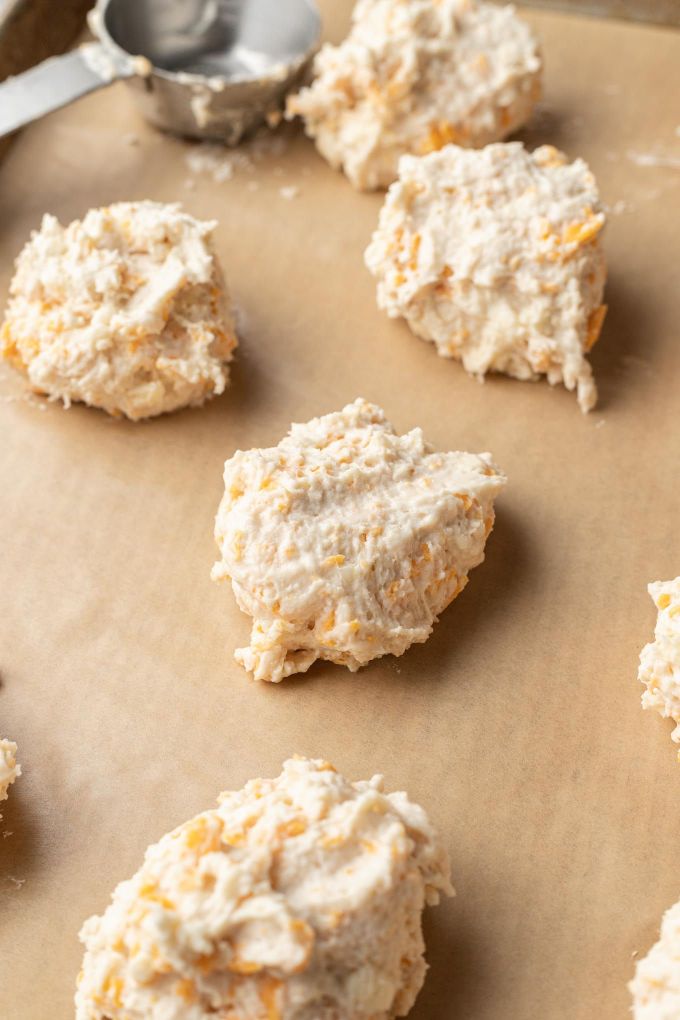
x=656, y=985
x=414, y=75
x=346, y=541
x=495, y=256
x=9, y=770
x=660, y=660
x=298, y=898
x=126, y=310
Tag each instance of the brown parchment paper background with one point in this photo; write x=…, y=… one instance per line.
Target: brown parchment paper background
x=517, y=725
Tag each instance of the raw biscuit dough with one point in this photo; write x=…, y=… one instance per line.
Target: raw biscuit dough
x=125, y=310
x=660, y=660
x=656, y=985
x=298, y=898
x=414, y=75
x=346, y=541
x=494, y=255
x=9, y=770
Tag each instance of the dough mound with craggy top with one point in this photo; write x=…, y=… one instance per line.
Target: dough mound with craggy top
x=660, y=660
x=9, y=770
x=414, y=75
x=346, y=541
x=656, y=985
x=495, y=257
x=298, y=898
x=126, y=310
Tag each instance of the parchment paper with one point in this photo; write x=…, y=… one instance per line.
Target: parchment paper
x=517, y=725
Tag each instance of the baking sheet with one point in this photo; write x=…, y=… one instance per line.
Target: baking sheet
x=517, y=725
x=659, y=12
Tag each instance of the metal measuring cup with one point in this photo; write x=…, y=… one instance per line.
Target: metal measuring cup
x=212, y=69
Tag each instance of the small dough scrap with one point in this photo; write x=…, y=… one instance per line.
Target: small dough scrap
x=298, y=898
x=346, y=541
x=495, y=256
x=656, y=985
x=414, y=75
x=659, y=667
x=9, y=769
x=126, y=310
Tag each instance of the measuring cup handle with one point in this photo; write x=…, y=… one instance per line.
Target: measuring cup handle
x=56, y=82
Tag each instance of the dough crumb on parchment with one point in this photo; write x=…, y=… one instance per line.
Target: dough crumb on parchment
x=494, y=255
x=414, y=75
x=297, y=898
x=346, y=541
x=656, y=985
x=659, y=667
x=9, y=769
x=126, y=310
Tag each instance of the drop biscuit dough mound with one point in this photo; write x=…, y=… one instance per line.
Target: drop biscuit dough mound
x=656, y=985
x=495, y=257
x=414, y=75
x=125, y=310
x=346, y=541
x=9, y=769
x=297, y=898
x=659, y=667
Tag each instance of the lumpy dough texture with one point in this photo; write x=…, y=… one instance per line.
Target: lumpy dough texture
x=126, y=310
x=346, y=540
x=656, y=985
x=495, y=257
x=9, y=770
x=414, y=75
x=298, y=898
x=660, y=660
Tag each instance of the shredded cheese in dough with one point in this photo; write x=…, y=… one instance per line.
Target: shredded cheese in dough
x=414, y=75
x=125, y=310
x=495, y=256
x=297, y=897
x=346, y=541
x=660, y=660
